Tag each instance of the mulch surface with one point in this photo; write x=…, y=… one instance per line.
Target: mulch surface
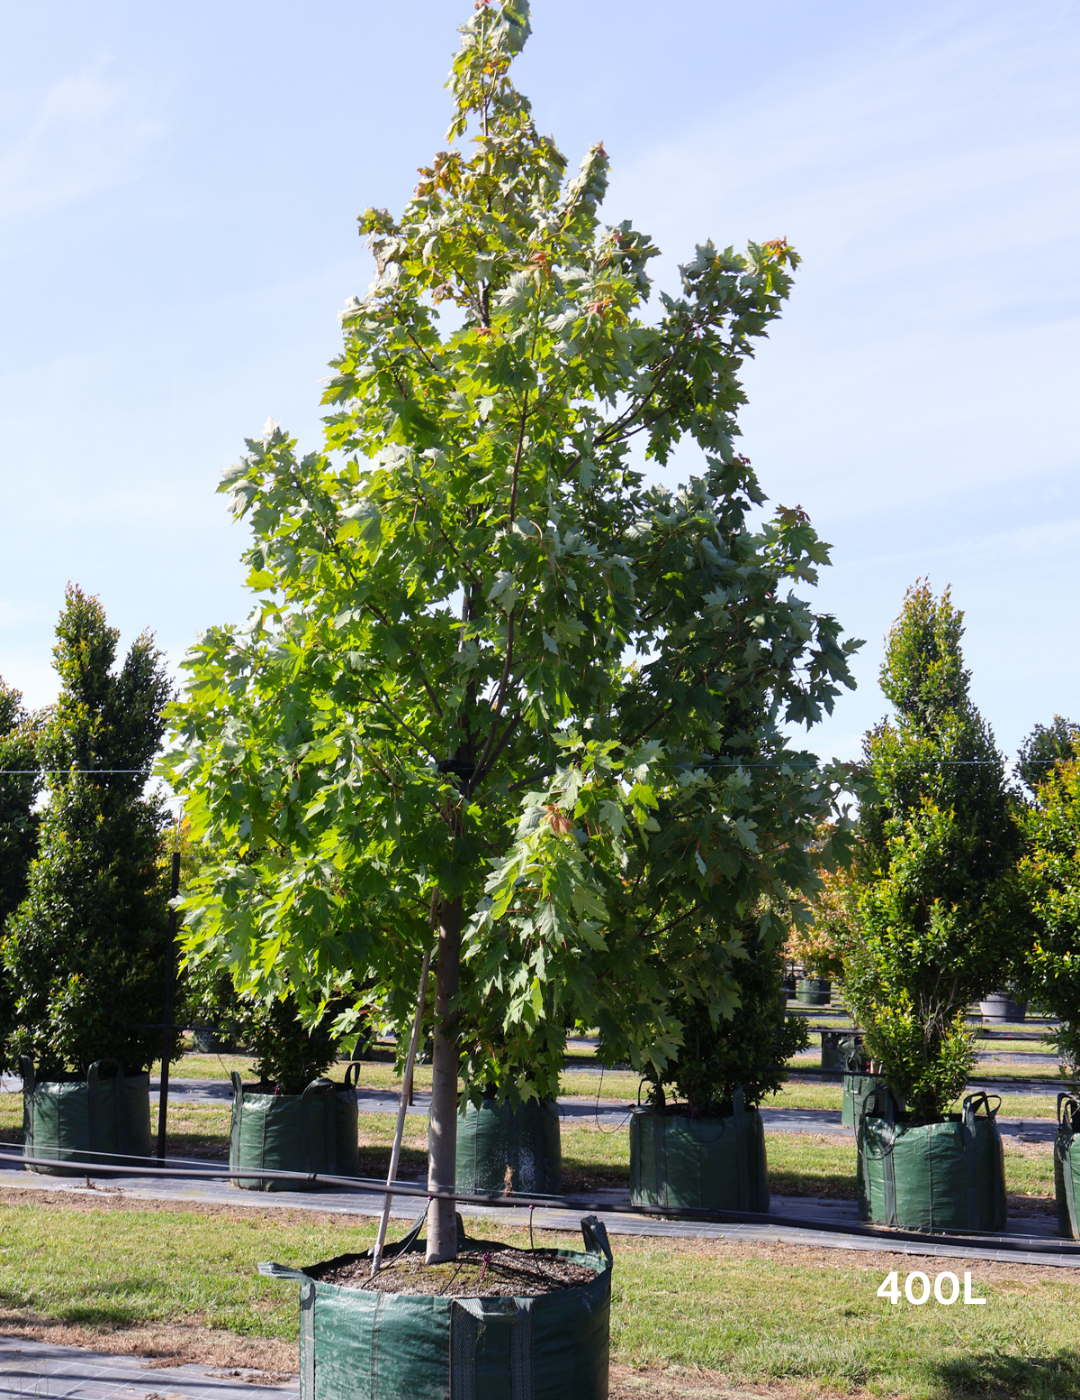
x=475, y=1273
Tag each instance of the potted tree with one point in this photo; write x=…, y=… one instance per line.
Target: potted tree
x=20, y=784
x=292, y=1119
x=699, y=1143
x=813, y=945
x=1050, y=872
x=85, y=951
x=937, y=913
x=429, y=736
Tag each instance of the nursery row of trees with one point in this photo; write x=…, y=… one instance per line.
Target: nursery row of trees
x=503, y=699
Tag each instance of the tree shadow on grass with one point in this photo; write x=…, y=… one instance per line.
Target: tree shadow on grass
x=992, y=1376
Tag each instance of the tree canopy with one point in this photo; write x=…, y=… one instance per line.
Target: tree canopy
x=496, y=681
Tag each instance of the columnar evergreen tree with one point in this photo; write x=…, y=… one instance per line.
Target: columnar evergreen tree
x=937, y=912
x=1050, y=871
x=20, y=783
x=85, y=950
x=495, y=686
x=1045, y=747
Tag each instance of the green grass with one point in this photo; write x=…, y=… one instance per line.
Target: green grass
x=814, y=1319
x=766, y=1315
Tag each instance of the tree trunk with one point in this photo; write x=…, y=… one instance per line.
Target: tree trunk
x=442, y=1132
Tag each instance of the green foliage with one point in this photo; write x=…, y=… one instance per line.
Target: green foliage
x=1050, y=871
x=489, y=668
x=938, y=918
x=85, y=950
x=718, y=1054
x=288, y=1055
x=1045, y=746
x=818, y=940
x=20, y=783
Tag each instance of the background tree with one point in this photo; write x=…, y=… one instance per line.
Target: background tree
x=496, y=685
x=745, y=1050
x=20, y=783
x=937, y=921
x=1050, y=871
x=817, y=939
x=1045, y=746
x=85, y=950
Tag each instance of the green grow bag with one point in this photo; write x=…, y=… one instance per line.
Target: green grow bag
x=864, y=1093
x=310, y=1132
x=813, y=991
x=840, y=1048
x=396, y=1346
x=948, y=1175
x=102, y=1119
x=500, y=1148
x=1067, y=1165
x=699, y=1163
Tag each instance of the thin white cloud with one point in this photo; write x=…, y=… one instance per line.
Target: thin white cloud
x=932, y=185
x=83, y=134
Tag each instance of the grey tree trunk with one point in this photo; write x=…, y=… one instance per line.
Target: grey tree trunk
x=442, y=1132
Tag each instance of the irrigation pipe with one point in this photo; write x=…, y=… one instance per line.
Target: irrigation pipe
x=1016, y=1244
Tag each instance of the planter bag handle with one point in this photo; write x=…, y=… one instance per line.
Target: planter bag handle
x=272, y=1270
x=594, y=1233
x=469, y=1319
x=326, y=1090
x=971, y=1105
x=982, y=1100
x=93, y=1106
x=29, y=1080
x=885, y=1157
x=1069, y=1120
x=349, y=1068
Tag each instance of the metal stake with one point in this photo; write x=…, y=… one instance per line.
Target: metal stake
x=167, y=1030
x=406, y=1099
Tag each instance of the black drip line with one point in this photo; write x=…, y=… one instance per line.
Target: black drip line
x=1022, y=1244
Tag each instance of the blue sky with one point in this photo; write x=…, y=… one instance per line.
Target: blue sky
x=178, y=194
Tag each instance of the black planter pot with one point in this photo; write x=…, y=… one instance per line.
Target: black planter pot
x=102, y=1119
x=315, y=1131
x=814, y=991
x=699, y=1163
x=999, y=1009
x=500, y=1148
x=948, y=1175
x=399, y=1346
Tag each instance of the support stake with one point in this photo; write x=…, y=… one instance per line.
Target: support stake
x=167, y=1030
x=406, y=1099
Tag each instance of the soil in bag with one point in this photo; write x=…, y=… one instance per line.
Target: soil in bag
x=475, y=1273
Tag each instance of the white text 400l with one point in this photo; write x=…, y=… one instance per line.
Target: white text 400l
x=917, y=1289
